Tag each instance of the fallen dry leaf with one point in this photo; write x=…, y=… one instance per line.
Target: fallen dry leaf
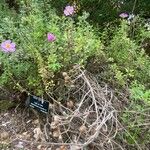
x=36, y=121
x=56, y=134
x=70, y=104
x=38, y=135
x=56, y=119
x=83, y=129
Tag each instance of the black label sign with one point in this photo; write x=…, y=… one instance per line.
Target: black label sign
x=38, y=104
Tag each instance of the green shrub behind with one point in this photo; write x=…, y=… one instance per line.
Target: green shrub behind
x=130, y=62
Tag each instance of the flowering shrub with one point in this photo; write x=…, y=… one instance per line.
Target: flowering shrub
x=68, y=43
x=38, y=59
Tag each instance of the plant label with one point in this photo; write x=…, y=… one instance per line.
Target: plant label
x=38, y=104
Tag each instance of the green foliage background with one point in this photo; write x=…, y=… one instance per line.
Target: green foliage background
x=102, y=11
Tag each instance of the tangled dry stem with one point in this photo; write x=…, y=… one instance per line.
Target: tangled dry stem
x=88, y=121
x=92, y=121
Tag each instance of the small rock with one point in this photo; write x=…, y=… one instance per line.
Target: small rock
x=4, y=135
x=19, y=145
x=39, y=146
x=5, y=114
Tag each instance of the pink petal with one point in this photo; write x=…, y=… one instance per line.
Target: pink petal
x=67, y=7
x=3, y=45
x=12, y=50
x=13, y=45
x=51, y=37
x=66, y=12
x=71, y=9
x=5, y=50
x=7, y=42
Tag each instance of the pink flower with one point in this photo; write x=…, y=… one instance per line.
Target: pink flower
x=123, y=15
x=51, y=37
x=7, y=46
x=69, y=10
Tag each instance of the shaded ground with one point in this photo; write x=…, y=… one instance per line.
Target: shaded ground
x=16, y=130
